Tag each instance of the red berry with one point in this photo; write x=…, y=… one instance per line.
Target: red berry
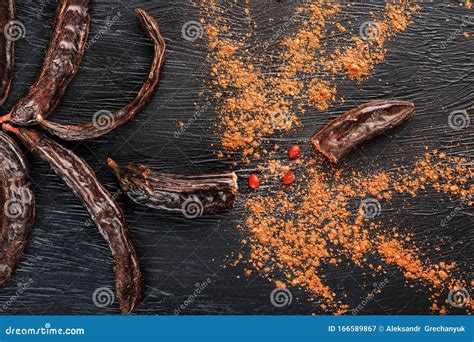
x=288, y=178
x=254, y=181
x=294, y=151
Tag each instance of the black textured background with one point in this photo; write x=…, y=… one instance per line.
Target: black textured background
x=67, y=259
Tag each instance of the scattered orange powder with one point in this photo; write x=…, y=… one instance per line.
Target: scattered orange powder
x=320, y=94
x=294, y=234
x=359, y=60
x=253, y=102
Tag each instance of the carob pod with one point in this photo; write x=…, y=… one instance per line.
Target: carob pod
x=17, y=207
x=192, y=195
x=107, y=121
x=9, y=32
x=360, y=124
x=60, y=65
x=102, y=207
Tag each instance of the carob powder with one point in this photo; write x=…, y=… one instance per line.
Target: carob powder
x=329, y=217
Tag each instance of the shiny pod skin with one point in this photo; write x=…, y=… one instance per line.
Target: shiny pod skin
x=60, y=66
x=102, y=207
x=17, y=207
x=361, y=124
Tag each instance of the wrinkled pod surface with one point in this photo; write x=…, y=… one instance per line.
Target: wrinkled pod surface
x=102, y=207
x=193, y=195
x=17, y=207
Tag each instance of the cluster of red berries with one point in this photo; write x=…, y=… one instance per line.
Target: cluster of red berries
x=294, y=152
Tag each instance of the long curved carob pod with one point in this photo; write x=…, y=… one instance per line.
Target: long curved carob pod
x=107, y=121
x=9, y=32
x=193, y=195
x=102, y=207
x=17, y=207
x=60, y=65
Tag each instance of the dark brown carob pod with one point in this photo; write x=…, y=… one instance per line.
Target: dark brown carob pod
x=10, y=31
x=193, y=195
x=17, y=207
x=105, y=121
x=360, y=124
x=102, y=207
x=60, y=66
